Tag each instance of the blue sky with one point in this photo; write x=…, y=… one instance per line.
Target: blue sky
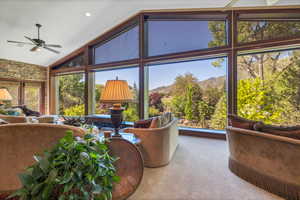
x=165, y=74
x=164, y=37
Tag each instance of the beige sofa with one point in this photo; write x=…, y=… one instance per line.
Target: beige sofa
x=18, y=144
x=269, y=161
x=158, y=145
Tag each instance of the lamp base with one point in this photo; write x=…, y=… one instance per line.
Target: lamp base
x=116, y=118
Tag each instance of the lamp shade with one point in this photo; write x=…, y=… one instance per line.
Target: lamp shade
x=116, y=91
x=4, y=95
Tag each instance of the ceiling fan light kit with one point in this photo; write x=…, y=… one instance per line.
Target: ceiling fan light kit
x=37, y=43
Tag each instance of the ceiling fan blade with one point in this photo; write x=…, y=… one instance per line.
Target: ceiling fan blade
x=53, y=45
x=28, y=38
x=17, y=42
x=49, y=49
x=34, y=48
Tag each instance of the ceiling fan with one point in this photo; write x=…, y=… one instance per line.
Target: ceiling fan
x=37, y=42
x=232, y=2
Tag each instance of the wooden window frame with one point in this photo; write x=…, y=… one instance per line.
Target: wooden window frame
x=231, y=49
x=21, y=97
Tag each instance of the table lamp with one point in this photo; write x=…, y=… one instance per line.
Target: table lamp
x=116, y=92
x=4, y=96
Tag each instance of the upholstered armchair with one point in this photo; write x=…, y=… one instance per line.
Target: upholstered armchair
x=19, y=142
x=157, y=144
x=22, y=119
x=269, y=161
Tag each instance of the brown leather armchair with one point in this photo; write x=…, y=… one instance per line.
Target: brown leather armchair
x=18, y=144
x=269, y=161
x=157, y=144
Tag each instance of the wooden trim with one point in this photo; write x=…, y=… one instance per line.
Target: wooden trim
x=196, y=53
x=205, y=134
x=43, y=98
x=267, y=44
x=141, y=66
x=71, y=55
x=86, y=92
x=113, y=64
x=221, y=9
x=75, y=69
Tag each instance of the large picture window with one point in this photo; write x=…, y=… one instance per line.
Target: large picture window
x=267, y=26
x=166, y=37
x=13, y=89
x=32, y=97
x=71, y=94
x=268, y=87
x=131, y=75
x=194, y=91
x=123, y=47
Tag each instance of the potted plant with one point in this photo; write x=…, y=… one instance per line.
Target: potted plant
x=76, y=168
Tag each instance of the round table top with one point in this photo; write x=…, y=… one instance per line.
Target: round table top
x=127, y=136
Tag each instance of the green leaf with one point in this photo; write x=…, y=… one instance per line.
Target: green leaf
x=97, y=189
x=52, y=175
x=68, y=187
x=26, y=180
x=116, y=179
x=37, y=188
x=44, y=165
x=47, y=191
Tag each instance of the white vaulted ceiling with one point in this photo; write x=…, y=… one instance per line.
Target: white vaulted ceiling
x=64, y=21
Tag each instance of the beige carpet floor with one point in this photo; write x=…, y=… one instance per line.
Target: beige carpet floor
x=198, y=171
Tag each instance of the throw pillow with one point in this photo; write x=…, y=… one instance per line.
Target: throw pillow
x=285, y=131
x=166, y=118
x=142, y=123
x=3, y=122
x=156, y=122
x=239, y=122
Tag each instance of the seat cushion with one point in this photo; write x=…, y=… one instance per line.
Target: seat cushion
x=145, y=123
x=286, y=131
x=239, y=122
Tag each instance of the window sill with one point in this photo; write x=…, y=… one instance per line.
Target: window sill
x=200, y=132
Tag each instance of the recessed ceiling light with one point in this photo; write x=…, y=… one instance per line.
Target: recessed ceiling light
x=87, y=14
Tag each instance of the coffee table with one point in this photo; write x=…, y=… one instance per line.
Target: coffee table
x=127, y=136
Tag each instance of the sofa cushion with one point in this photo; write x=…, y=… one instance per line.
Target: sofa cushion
x=239, y=122
x=286, y=131
x=145, y=123
x=156, y=122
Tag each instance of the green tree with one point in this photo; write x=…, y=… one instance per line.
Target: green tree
x=71, y=90
x=180, y=85
x=178, y=106
x=205, y=112
x=188, y=109
x=77, y=110
x=219, y=118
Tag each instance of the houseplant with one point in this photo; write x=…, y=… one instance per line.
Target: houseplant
x=79, y=169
